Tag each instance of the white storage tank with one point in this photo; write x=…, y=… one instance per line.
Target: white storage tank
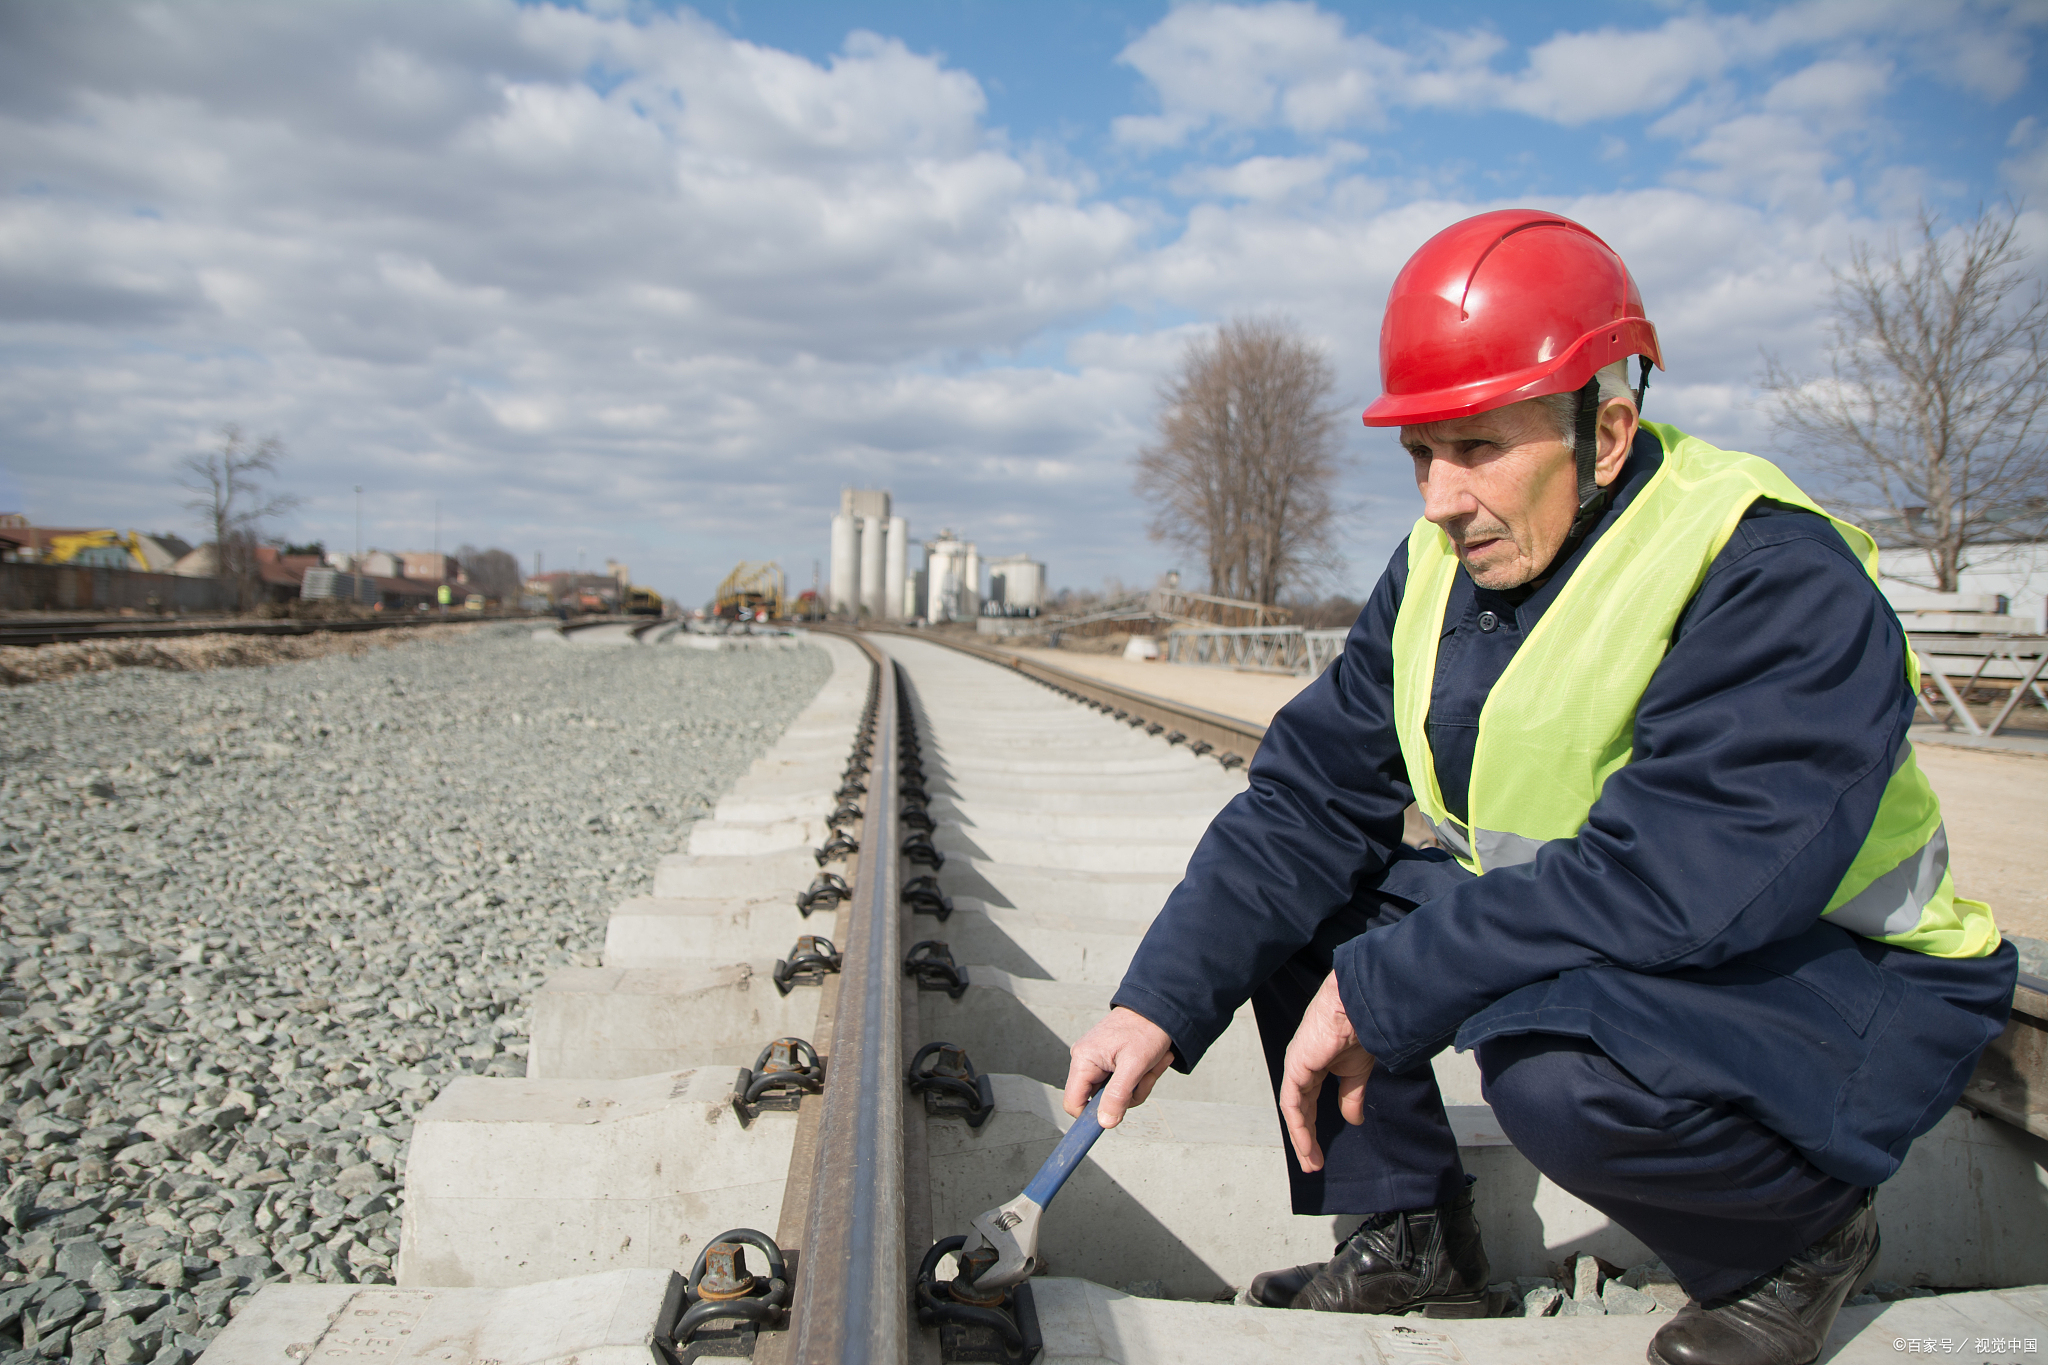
x=895, y=564
x=845, y=589
x=1016, y=583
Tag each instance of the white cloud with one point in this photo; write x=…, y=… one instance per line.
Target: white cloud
x=1268, y=177
x=1285, y=63
x=669, y=309
x=1576, y=78
x=2026, y=170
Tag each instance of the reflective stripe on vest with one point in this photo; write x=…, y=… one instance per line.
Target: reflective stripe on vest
x=1561, y=718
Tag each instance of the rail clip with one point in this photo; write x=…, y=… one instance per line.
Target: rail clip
x=1002, y=1328
x=786, y=1071
x=931, y=962
x=923, y=896
x=840, y=846
x=720, y=1290
x=846, y=813
x=826, y=893
x=808, y=964
x=918, y=848
x=950, y=1085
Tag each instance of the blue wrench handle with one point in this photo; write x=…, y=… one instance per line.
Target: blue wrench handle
x=1066, y=1156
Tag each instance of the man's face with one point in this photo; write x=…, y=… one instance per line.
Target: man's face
x=1502, y=485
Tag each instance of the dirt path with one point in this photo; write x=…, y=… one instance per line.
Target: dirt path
x=1996, y=808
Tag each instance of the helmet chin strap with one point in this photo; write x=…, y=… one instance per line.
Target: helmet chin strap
x=1586, y=450
x=1593, y=499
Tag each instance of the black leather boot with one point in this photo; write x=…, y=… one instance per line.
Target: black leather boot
x=1782, y=1318
x=1430, y=1259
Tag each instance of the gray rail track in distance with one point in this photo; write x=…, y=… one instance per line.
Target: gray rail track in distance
x=16, y=631
x=1227, y=736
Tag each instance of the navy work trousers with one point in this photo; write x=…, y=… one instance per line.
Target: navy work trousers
x=1721, y=1198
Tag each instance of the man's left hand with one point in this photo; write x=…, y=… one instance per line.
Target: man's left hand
x=1323, y=1046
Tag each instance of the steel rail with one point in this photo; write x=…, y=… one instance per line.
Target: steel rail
x=1227, y=735
x=17, y=632
x=852, y=1304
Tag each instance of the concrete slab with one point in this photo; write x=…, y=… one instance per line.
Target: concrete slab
x=1106, y=851
x=940, y=779
x=765, y=875
x=610, y=1319
x=512, y=1182
x=605, y=634
x=996, y=886
x=732, y=838
x=1027, y=1027
x=1194, y=1195
x=1969, y=1206
x=1073, y=759
x=1058, y=820
x=612, y=1022
x=652, y=934
x=972, y=801
x=1188, y=1194
x=1090, y=1324
x=760, y=809
x=1048, y=944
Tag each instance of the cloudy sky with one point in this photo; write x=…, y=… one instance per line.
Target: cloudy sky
x=655, y=282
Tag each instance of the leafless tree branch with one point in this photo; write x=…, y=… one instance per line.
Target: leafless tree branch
x=1932, y=409
x=224, y=491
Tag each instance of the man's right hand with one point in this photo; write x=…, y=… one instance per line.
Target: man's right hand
x=1125, y=1055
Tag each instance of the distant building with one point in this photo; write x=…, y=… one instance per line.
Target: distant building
x=1016, y=587
x=431, y=567
x=870, y=555
x=567, y=590
x=950, y=581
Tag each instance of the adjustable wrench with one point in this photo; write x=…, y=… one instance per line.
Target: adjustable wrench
x=1009, y=1233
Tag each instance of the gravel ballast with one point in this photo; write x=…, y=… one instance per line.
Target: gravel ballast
x=254, y=919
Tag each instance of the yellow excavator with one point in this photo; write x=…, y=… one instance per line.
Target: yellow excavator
x=104, y=549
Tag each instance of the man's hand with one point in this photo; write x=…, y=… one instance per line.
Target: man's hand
x=1128, y=1051
x=1323, y=1046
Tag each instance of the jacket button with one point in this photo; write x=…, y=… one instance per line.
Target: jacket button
x=1488, y=622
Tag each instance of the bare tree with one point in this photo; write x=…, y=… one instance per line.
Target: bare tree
x=494, y=573
x=224, y=490
x=1931, y=411
x=1242, y=472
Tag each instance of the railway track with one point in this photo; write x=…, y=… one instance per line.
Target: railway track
x=82, y=630
x=836, y=1031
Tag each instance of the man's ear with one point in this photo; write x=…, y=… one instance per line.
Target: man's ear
x=1616, y=430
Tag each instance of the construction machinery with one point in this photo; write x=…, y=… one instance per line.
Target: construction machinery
x=752, y=592
x=103, y=548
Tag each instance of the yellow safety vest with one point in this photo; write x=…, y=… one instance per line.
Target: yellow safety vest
x=1562, y=716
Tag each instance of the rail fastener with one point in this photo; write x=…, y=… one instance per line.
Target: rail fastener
x=786, y=1071
x=808, y=964
x=931, y=962
x=923, y=896
x=1001, y=1328
x=827, y=892
x=720, y=1290
x=951, y=1087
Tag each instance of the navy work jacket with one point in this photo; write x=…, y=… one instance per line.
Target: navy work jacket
x=1680, y=930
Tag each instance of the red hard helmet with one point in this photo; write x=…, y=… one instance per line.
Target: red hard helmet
x=1504, y=306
